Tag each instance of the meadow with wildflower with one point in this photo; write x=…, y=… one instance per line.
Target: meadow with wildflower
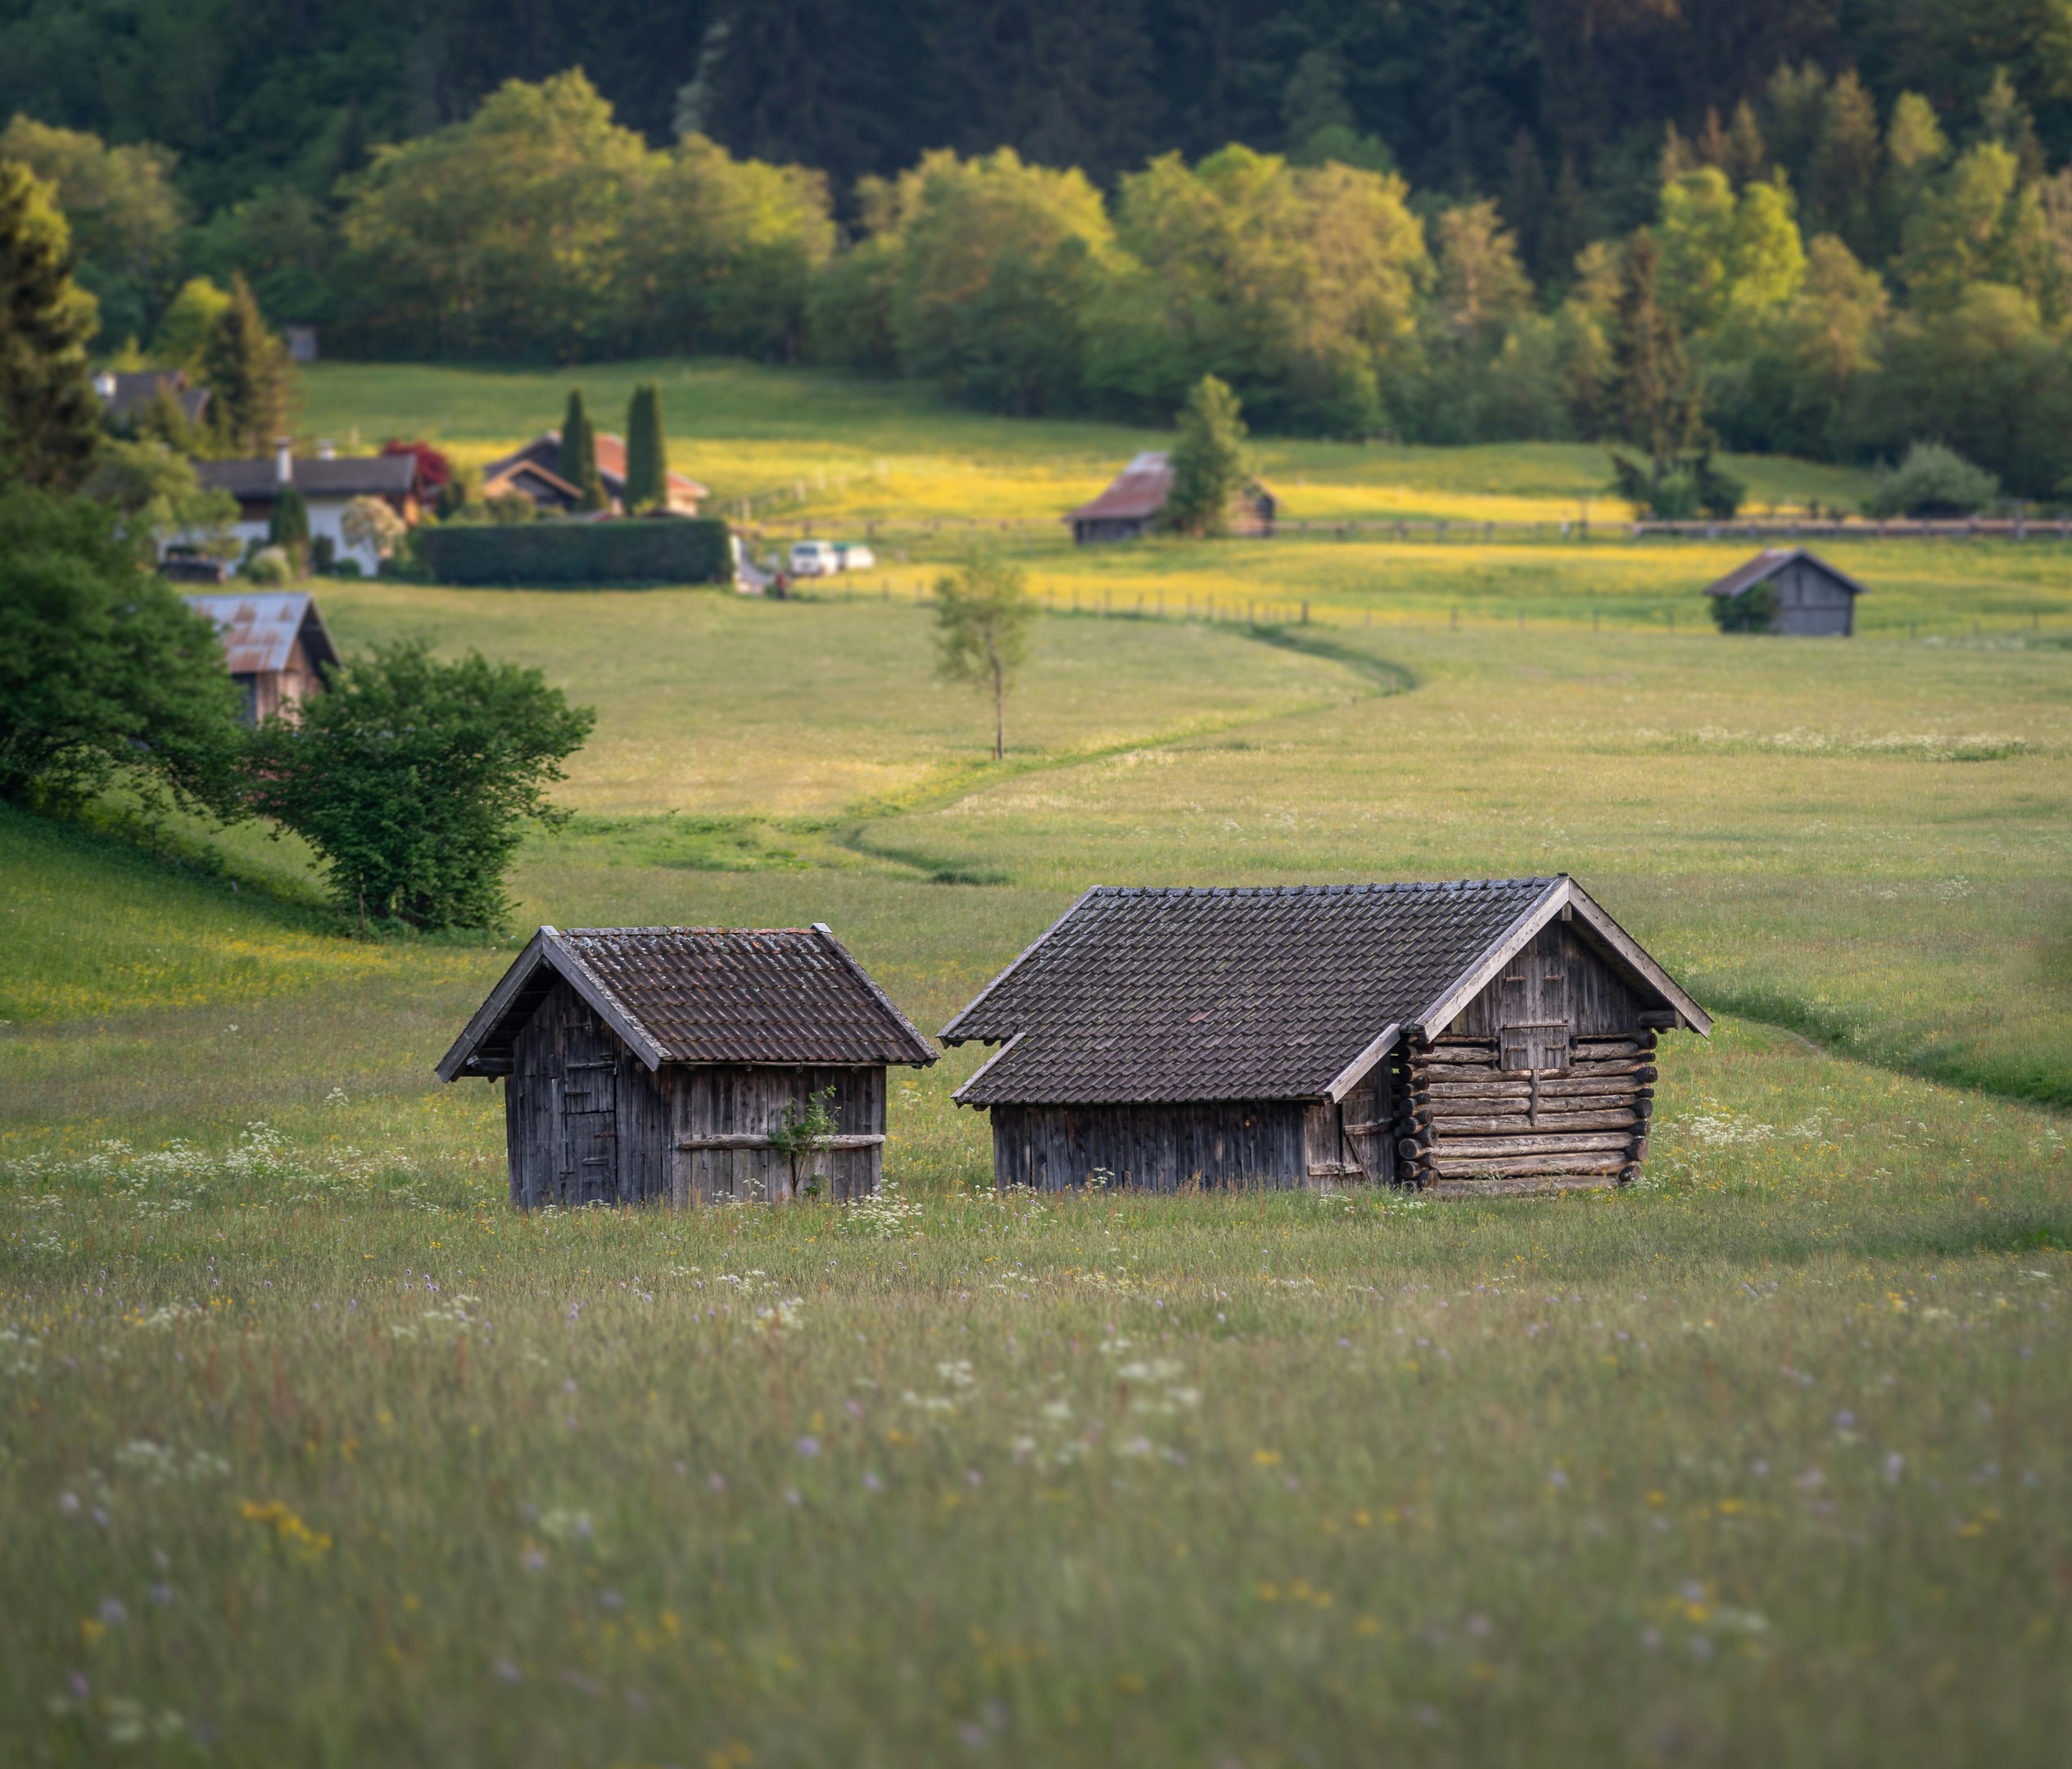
x=311, y=1449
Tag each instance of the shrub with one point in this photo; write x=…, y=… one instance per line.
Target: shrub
x=413, y=779
x=269, y=566
x=578, y=554
x=1752, y=611
x=105, y=672
x=1932, y=480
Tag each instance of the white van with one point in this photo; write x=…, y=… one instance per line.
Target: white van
x=855, y=555
x=814, y=559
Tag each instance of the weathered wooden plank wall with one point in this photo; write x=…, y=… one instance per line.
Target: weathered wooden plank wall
x=1157, y=1148
x=586, y=1122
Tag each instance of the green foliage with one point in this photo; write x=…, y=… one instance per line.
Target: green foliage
x=803, y=1134
x=1210, y=468
x=157, y=497
x=577, y=463
x=1754, y=611
x=414, y=779
x=1655, y=397
x=126, y=218
x=1933, y=481
x=188, y=322
x=647, y=451
x=982, y=615
x=106, y=675
x=558, y=554
x=251, y=381
x=1681, y=488
x=287, y=527
x=50, y=427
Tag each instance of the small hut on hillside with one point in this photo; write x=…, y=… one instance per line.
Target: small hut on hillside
x=1129, y=508
x=275, y=645
x=1814, y=599
x=1494, y=1034
x=668, y=1063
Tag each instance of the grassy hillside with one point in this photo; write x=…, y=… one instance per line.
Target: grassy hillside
x=311, y=1450
x=807, y=442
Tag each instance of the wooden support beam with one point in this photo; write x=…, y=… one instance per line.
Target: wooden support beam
x=753, y=1140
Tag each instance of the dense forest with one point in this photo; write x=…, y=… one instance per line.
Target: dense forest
x=1829, y=226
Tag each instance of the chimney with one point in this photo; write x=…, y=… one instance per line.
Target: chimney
x=327, y=449
x=283, y=460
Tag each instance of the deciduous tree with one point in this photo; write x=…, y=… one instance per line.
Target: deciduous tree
x=982, y=615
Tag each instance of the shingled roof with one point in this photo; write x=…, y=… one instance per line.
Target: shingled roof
x=701, y=995
x=1144, y=995
x=1771, y=560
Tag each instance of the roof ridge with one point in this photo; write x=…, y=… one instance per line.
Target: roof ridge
x=1377, y=886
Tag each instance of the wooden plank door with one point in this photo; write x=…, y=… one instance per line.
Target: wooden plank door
x=589, y=1163
x=1533, y=1007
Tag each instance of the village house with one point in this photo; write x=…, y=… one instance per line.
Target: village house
x=1488, y=1036
x=677, y=1064
x=535, y=470
x=1814, y=599
x=125, y=396
x=1129, y=508
x=328, y=480
x=274, y=644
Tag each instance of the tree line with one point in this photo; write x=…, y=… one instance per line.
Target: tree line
x=1825, y=275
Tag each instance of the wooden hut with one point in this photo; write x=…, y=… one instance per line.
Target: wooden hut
x=1492, y=1034
x=1129, y=508
x=668, y=1063
x=274, y=644
x=1814, y=599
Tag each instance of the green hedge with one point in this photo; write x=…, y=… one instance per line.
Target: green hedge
x=576, y=554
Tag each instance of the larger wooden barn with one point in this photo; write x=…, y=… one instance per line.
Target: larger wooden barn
x=674, y=1064
x=1496, y=1033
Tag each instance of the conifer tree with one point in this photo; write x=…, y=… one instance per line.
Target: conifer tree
x=50, y=420
x=1210, y=468
x=1657, y=395
x=288, y=526
x=578, y=461
x=647, y=459
x=250, y=380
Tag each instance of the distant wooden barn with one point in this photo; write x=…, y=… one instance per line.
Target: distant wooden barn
x=1814, y=599
x=274, y=644
x=1493, y=1035
x=655, y=1064
x=1130, y=507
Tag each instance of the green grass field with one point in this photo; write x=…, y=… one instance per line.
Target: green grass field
x=311, y=1450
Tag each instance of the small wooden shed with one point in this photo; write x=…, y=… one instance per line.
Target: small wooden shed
x=1491, y=1035
x=1814, y=599
x=654, y=1063
x=1129, y=508
x=274, y=644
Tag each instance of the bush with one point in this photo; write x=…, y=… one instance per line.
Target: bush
x=1752, y=611
x=269, y=566
x=578, y=554
x=413, y=779
x=105, y=672
x=1932, y=480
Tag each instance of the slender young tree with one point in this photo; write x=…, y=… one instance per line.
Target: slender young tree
x=251, y=381
x=983, y=614
x=647, y=457
x=1210, y=467
x=578, y=461
x=50, y=420
x=1656, y=395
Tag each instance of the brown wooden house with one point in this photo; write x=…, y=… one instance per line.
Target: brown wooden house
x=550, y=491
x=1129, y=508
x=1492, y=1034
x=274, y=644
x=655, y=1064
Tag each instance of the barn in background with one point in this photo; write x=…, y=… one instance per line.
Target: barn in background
x=1812, y=599
x=275, y=645
x=1492, y=1034
x=679, y=1065
x=1129, y=509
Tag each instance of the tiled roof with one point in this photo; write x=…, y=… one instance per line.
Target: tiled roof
x=1140, y=995
x=345, y=475
x=544, y=451
x=705, y=995
x=1768, y=563
x=260, y=631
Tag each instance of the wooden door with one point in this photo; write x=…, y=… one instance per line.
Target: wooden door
x=588, y=1126
x=1534, y=1021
